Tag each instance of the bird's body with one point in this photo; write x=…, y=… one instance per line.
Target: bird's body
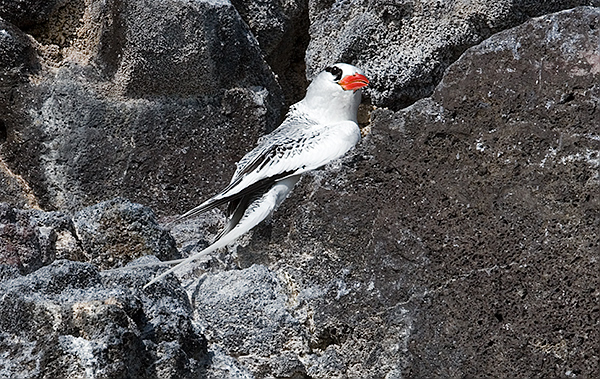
x=318, y=129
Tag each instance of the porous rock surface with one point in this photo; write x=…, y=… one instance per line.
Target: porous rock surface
x=405, y=46
x=68, y=320
x=140, y=96
x=115, y=232
x=109, y=234
x=462, y=237
x=459, y=239
x=281, y=30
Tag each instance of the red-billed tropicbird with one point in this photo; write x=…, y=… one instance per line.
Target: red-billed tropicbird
x=318, y=129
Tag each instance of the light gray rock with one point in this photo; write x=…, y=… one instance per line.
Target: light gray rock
x=460, y=238
x=67, y=320
x=244, y=312
x=152, y=101
x=30, y=239
x=405, y=46
x=109, y=234
x=115, y=232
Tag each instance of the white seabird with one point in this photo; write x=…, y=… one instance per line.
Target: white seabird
x=318, y=129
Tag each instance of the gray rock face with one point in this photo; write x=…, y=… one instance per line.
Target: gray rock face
x=27, y=13
x=30, y=239
x=404, y=47
x=533, y=129
x=204, y=42
x=115, y=232
x=460, y=238
x=232, y=306
x=281, y=29
x=110, y=114
x=108, y=235
x=244, y=301
x=67, y=320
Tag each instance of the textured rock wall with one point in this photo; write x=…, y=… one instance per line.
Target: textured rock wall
x=422, y=38
x=138, y=96
x=461, y=238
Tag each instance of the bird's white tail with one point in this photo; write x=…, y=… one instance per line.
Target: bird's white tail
x=257, y=210
x=222, y=242
x=143, y=265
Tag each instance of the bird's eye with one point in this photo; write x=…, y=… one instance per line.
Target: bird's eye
x=335, y=71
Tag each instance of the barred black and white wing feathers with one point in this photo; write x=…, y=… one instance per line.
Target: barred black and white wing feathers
x=320, y=128
x=290, y=150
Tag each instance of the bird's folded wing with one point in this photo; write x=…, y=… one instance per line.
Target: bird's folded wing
x=284, y=153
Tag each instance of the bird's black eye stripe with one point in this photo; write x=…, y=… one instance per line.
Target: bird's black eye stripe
x=335, y=71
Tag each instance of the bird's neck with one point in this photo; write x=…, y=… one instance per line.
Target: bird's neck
x=331, y=109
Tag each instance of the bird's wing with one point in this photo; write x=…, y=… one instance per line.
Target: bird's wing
x=291, y=149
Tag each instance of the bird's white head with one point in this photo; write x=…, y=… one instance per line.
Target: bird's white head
x=334, y=95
